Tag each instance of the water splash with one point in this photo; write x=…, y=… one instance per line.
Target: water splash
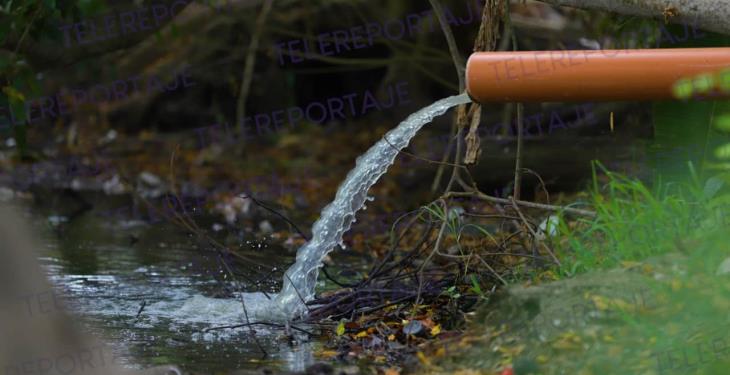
x=337, y=217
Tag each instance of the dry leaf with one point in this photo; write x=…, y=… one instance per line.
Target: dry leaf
x=340, y=328
x=327, y=353
x=422, y=357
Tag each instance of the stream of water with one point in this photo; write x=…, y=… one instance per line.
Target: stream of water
x=337, y=217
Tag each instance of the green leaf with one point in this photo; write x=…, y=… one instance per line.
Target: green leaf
x=174, y=31
x=722, y=123
x=18, y=109
x=682, y=89
x=475, y=284
x=703, y=83
x=4, y=29
x=89, y=8
x=340, y=328
x=683, y=132
x=723, y=152
x=723, y=80
x=13, y=94
x=712, y=186
x=21, y=140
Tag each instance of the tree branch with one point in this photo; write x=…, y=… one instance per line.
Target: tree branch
x=711, y=15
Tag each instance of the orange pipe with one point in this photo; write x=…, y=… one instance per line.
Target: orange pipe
x=587, y=75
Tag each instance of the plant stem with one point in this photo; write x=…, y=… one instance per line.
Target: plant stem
x=455, y=55
x=250, y=61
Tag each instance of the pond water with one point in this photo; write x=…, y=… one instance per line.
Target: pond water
x=150, y=290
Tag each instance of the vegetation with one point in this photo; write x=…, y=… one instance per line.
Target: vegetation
x=463, y=279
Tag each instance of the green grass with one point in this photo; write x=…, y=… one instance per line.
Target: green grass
x=635, y=222
x=677, y=234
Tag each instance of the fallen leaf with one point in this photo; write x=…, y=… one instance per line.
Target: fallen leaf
x=327, y=353
x=340, y=328
x=428, y=323
x=13, y=93
x=436, y=330
x=423, y=359
x=413, y=327
x=676, y=285
x=568, y=340
x=600, y=302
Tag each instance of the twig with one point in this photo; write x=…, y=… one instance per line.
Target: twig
x=141, y=308
x=258, y=324
x=542, y=183
x=504, y=241
x=420, y=157
x=258, y=203
x=518, y=157
x=245, y=310
x=374, y=272
x=332, y=279
x=301, y=299
x=434, y=251
x=541, y=206
x=491, y=216
x=457, y=158
x=379, y=307
x=414, y=251
x=455, y=55
x=518, y=255
x=535, y=236
x=27, y=28
x=532, y=240
x=447, y=151
x=250, y=61
x=504, y=282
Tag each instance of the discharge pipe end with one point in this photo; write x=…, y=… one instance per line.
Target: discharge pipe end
x=588, y=75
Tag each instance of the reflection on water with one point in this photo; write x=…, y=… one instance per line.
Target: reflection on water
x=151, y=291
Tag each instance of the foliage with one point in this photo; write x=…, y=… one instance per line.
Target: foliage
x=635, y=222
x=20, y=21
